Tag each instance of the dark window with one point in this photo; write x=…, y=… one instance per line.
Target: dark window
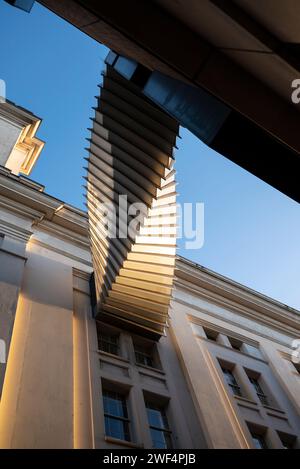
x=288, y=441
x=159, y=427
x=259, y=391
x=297, y=367
x=116, y=415
x=210, y=334
x=232, y=382
x=259, y=441
x=235, y=343
x=287, y=444
x=108, y=343
x=144, y=355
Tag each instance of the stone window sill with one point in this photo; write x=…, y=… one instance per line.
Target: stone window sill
x=150, y=368
x=128, y=444
x=111, y=355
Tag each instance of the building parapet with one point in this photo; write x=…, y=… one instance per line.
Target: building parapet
x=200, y=280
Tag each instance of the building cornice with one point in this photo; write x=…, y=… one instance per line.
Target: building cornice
x=17, y=114
x=64, y=233
x=19, y=209
x=62, y=252
x=28, y=144
x=81, y=274
x=236, y=320
x=234, y=296
x=11, y=253
x=16, y=189
x=25, y=199
x=15, y=232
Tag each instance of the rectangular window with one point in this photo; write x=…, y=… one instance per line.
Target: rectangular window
x=232, y=382
x=210, y=334
x=159, y=427
x=259, y=391
x=146, y=352
x=108, y=341
x=258, y=435
x=288, y=441
x=144, y=355
x=116, y=415
x=259, y=441
x=235, y=343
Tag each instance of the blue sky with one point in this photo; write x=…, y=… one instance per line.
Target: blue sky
x=251, y=230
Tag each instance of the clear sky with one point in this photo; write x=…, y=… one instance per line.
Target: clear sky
x=252, y=232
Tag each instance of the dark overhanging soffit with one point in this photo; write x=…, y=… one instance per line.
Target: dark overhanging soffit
x=189, y=55
x=221, y=128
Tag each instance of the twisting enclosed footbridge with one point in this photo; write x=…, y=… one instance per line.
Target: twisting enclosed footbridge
x=131, y=200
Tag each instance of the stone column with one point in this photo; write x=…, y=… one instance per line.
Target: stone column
x=12, y=262
x=215, y=411
x=37, y=401
x=83, y=325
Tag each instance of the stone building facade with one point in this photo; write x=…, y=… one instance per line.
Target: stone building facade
x=222, y=375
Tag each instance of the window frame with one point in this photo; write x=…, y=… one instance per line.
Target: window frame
x=141, y=351
x=262, y=396
x=233, y=386
x=124, y=420
x=148, y=349
x=109, y=345
x=260, y=438
x=105, y=334
x=211, y=334
x=236, y=344
x=164, y=418
x=259, y=433
x=288, y=441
